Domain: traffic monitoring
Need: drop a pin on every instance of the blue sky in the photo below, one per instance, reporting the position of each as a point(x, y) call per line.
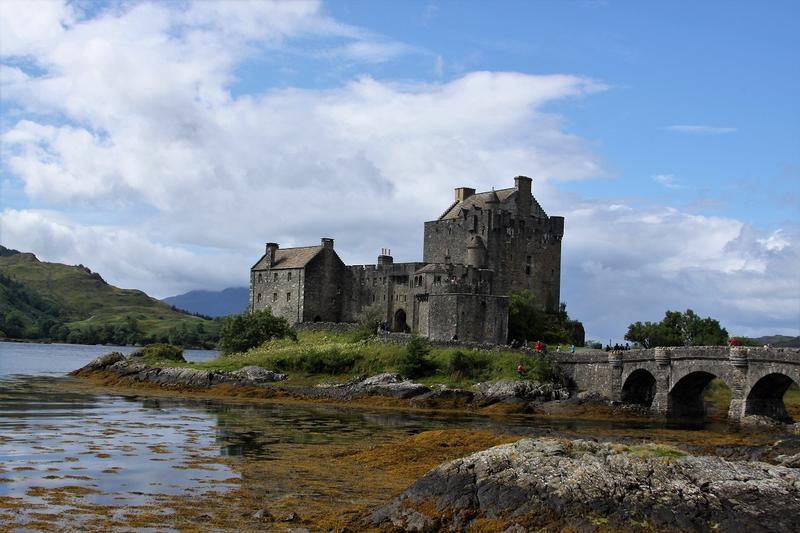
point(162, 143)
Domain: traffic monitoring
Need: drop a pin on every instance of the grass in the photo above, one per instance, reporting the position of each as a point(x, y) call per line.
point(328, 356)
point(87, 300)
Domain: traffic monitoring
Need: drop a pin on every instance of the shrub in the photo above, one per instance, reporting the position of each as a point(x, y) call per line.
point(248, 330)
point(462, 365)
point(414, 363)
point(328, 361)
point(153, 353)
point(368, 321)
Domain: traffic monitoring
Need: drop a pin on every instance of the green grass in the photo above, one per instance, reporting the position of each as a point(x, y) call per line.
point(84, 300)
point(327, 356)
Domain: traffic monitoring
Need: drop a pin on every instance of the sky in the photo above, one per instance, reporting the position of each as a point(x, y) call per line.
point(163, 143)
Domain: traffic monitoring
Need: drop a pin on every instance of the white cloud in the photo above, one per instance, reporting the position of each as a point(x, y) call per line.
point(133, 115)
point(123, 256)
point(669, 181)
point(620, 266)
point(699, 129)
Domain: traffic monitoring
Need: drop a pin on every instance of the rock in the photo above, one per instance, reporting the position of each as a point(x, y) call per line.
point(444, 397)
point(554, 484)
point(291, 517)
point(263, 514)
point(257, 374)
point(790, 461)
point(388, 384)
point(101, 363)
point(759, 421)
point(507, 390)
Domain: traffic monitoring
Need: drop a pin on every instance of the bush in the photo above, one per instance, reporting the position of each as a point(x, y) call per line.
point(462, 365)
point(368, 321)
point(239, 333)
point(414, 363)
point(153, 353)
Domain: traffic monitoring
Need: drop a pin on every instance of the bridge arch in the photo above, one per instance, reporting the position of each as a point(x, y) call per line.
point(639, 388)
point(765, 397)
point(685, 398)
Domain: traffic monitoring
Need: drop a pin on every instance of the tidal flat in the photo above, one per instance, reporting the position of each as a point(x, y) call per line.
point(81, 459)
point(76, 455)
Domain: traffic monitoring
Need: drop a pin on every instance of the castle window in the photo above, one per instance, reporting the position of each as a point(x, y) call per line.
point(528, 266)
point(289, 276)
point(288, 296)
point(474, 222)
point(374, 281)
point(258, 297)
point(259, 277)
point(274, 296)
point(275, 277)
point(373, 298)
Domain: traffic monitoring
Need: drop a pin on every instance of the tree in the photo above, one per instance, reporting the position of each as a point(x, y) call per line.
point(527, 322)
point(678, 329)
point(414, 363)
point(239, 333)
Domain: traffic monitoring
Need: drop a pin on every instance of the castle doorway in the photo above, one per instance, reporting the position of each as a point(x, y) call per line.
point(400, 322)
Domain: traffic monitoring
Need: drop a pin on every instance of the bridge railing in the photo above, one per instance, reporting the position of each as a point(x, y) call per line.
point(737, 355)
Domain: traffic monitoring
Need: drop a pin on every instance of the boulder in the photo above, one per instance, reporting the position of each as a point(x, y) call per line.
point(507, 390)
point(257, 374)
point(553, 484)
point(101, 363)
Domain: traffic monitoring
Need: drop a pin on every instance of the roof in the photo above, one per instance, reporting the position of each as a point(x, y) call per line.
point(478, 200)
point(432, 268)
point(287, 258)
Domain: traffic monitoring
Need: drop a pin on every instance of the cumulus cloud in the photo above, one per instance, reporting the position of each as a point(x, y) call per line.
point(669, 181)
point(160, 177)
point(624, 264)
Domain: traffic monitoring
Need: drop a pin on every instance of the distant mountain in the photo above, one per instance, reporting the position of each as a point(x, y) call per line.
point(779, 341)
point(226, 302)
point(40, 300)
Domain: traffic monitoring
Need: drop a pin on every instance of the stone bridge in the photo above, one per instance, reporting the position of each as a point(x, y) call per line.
point(671, 380)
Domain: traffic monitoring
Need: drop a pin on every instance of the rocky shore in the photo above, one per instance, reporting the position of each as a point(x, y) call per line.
point(132, 370)
point(586, 486)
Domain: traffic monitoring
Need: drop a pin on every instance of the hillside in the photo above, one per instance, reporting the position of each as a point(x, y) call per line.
point(40, 300)
point(226, 302)
point(780, 341)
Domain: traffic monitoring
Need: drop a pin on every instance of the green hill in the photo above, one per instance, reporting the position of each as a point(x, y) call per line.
point(40, 300)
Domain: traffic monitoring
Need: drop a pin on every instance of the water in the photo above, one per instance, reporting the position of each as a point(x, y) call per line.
point(72, 457)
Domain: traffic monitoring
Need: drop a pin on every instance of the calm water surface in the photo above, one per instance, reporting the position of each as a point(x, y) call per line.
point(123, 451)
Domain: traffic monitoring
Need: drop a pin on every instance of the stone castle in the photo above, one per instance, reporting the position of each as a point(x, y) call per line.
point(482, 247)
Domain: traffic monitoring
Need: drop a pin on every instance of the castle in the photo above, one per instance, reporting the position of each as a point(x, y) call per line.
point(482, 247)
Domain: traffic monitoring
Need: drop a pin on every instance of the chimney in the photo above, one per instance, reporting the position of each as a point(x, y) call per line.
point(523, 186)
point(327, 243)
point(462, 193)
point(272, 247)
point(386, 257)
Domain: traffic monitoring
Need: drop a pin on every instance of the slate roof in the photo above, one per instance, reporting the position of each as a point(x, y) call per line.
point(432, 268)
point(477, 200)
point(287, 258)
point(481, 200)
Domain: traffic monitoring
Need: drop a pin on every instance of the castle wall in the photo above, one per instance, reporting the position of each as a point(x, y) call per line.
point(467, 317)
point(524, 252)
point(281, 290)
point(323, 296)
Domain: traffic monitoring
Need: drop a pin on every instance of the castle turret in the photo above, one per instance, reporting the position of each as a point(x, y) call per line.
point(272, 247)
point(476, 252)
point(523, 186)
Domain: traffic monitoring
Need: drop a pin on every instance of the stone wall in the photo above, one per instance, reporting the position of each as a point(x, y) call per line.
point(324, 280)
point(281, 290)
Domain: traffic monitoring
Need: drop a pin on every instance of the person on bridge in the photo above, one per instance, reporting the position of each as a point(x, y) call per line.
point(538, 346)
point(733, 342)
